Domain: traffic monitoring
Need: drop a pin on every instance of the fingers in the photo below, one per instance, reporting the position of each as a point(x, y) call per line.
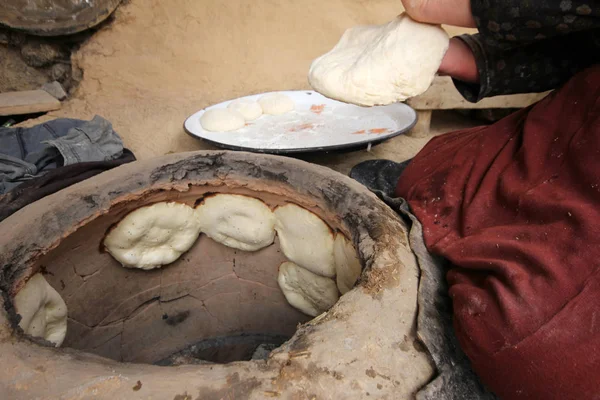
point(448, 12)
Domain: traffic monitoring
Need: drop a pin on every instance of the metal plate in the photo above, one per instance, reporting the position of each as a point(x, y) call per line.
point(317, 124)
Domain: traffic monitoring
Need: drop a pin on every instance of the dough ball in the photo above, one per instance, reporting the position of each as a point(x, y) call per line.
point(249, 109)
point(305, 239)
point(310, 293)
point(222, 120)
point(276, 103)
point(43, 312)
point(347, 263)
point(379, 65)
point(237, 221)
point(152, 236)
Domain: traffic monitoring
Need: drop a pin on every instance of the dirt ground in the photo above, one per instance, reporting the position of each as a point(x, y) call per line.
point(159, 62)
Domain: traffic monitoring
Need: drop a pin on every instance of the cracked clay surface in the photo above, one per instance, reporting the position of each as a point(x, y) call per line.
point(133, 315)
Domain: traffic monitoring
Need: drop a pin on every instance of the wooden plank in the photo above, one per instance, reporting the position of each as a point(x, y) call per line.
point(27, 102)
point(442, 95)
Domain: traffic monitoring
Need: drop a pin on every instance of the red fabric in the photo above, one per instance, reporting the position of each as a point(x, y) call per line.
point(515, 207)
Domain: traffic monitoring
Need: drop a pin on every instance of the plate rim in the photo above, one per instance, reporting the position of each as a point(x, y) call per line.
point(344, 146)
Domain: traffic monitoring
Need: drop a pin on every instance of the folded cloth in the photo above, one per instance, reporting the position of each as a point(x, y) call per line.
point(55, 180)
point(515, 208)
point(26, 153)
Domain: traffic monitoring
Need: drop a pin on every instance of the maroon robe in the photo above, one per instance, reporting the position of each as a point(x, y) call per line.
point(515, 207)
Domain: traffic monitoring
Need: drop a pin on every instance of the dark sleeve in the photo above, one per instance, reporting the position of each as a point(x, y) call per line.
point(530, 46)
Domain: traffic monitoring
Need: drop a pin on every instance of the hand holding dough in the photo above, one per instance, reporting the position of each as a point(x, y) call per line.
point(237, 221)
point(379, 65)
point(43, 312)
point(152, 236)
point(305, 239)
point(310, 293)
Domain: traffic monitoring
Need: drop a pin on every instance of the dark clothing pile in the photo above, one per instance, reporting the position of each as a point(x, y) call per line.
point(530, 46)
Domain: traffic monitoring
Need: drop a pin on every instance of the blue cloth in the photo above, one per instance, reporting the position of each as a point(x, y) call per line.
point(26, 153)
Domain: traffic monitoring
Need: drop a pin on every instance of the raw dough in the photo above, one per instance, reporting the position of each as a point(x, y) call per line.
point(43, 312)
point(305, 239)
point(152, 236)
point(379, 65)
point(222, 120)
point(237, 221)
point(347, 264)
point(310, 293)
point(249, 109)
point(276, 103)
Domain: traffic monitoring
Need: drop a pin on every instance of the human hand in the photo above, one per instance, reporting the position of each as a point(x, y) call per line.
point(459, 62)
point(379, 65)
point(438, 12)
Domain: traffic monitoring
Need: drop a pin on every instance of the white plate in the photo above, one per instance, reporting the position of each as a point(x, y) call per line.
point(317, 124)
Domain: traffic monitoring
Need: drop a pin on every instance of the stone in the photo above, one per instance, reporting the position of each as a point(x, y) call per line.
point(55, 89)
point(16, 74)
point(60, 71)
point(40, 54)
